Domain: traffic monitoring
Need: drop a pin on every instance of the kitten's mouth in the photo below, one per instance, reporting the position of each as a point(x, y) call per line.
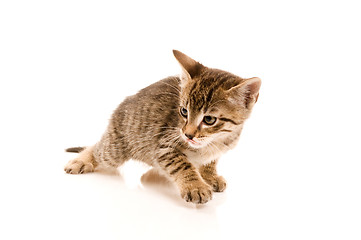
point(193, 142)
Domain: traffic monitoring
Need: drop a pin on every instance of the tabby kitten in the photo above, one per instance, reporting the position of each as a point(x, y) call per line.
point(179, 125)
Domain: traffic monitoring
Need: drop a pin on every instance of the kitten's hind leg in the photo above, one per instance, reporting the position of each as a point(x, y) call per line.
point(84, 163)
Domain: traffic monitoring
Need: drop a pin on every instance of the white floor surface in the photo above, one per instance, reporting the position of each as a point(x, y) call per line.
point(295, 174)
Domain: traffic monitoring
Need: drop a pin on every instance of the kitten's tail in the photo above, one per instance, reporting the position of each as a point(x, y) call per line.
point(75, 149)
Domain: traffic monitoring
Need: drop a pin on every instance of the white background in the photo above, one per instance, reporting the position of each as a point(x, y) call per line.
point(65, 65)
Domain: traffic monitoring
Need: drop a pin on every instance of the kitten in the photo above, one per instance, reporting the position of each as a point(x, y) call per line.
point(179, 125)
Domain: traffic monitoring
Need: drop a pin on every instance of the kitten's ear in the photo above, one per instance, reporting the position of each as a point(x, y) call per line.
point(190, 67)
point(246, 92)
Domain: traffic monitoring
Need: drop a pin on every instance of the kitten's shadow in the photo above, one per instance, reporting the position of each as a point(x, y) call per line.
point(109, 172)
point(155, 183)
point(151, 181)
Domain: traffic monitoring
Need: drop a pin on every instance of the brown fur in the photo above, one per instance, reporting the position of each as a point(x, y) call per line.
point(149, 127)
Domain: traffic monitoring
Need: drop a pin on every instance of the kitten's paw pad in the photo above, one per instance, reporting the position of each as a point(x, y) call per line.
point(218, 184)
point(78, 167)
point(201, 193)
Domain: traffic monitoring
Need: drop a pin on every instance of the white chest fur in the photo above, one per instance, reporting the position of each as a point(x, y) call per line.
point(204, 156)
point(212, 152)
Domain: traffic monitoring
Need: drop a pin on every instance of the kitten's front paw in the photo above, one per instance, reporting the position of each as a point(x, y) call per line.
point(197, 193)
point(218, 183)
point(78, 167)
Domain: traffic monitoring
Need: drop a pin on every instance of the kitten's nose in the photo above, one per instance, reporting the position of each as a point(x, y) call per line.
point(190, 136)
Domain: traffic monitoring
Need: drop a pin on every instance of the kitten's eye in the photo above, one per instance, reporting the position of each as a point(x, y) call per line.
point(183, 112)
point(209, 120)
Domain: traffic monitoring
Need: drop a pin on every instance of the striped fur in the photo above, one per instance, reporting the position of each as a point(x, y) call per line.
point(149, 127)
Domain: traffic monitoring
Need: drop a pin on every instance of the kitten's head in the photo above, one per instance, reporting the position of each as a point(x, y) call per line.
point(213, 103)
